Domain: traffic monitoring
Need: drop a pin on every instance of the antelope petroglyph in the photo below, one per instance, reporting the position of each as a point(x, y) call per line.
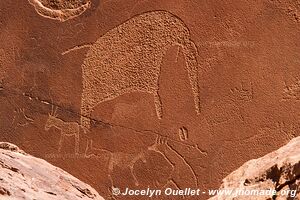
point(66, 129)
point(128, 58)
point(117, 159)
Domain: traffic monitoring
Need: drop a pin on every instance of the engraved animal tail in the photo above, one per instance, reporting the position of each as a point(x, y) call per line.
point(190, 53)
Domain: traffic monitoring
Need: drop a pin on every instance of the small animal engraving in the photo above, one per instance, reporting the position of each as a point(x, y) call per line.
point(117, 159)
point(65, 128)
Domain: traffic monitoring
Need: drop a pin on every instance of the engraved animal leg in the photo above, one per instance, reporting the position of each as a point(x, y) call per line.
point(161, 147)
point(85, 130)
point(87, 153)
point(190, 52)
point(111, 196)
point(110, 170)
point(143, 158)
point(172, 181)
point(136, 182)
point(157, 99)
point(62, 135)
point(77, 142)
point(158, 105)
point(184, 161)
point(140, 156)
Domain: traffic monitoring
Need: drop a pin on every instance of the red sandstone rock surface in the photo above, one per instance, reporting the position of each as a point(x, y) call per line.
point(277, 171)
point(23, 176)
point(149, 93)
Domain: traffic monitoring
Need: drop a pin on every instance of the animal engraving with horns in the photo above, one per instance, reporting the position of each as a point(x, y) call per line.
point(66, 129)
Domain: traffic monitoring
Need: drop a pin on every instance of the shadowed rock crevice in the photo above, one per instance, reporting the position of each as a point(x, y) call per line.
point(85, 191)
point(3, 165)
point(276, 171)
point(288, 183)
point(4, 191)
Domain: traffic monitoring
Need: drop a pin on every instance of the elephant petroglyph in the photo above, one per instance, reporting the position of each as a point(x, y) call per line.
point(128, 58)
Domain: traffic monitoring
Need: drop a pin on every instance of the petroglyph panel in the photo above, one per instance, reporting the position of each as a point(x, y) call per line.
point(130, 75)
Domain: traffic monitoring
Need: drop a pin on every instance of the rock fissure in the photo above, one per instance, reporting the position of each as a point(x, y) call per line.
point(195, 146)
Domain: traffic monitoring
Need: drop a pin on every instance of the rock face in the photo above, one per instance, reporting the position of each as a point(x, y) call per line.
point(149, 93)
point(26, 177)
point(278, 171)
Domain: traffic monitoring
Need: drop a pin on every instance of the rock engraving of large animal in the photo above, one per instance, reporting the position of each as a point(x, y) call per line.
point(128, 58)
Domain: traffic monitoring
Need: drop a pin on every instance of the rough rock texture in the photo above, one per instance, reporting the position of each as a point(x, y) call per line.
point(149, 93)
point(279, 171)
point(23, 176)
